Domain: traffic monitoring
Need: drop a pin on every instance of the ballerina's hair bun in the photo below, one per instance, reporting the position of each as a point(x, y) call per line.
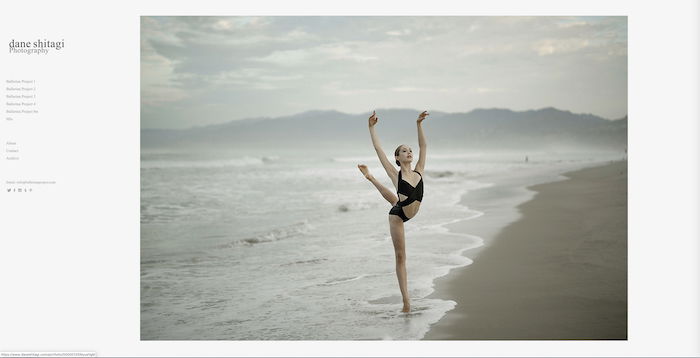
point(396, 154)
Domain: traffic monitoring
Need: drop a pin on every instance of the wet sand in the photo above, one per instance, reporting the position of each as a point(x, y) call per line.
point(559, 272)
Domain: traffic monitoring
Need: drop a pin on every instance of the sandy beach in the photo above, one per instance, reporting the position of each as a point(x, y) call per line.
point(559, 272)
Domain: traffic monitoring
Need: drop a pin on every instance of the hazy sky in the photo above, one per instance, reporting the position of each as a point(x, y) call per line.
point(205, 70)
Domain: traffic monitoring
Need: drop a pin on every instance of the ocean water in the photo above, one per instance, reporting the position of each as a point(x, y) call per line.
point(239, 247)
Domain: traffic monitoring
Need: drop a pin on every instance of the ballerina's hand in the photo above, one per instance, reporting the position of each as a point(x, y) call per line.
point(422, 116)
point(373, 119)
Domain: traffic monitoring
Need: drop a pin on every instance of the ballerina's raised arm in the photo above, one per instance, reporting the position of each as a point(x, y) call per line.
point(422, 146)
point(388, 166)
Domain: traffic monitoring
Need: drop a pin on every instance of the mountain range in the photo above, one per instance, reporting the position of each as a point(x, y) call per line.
point(547, 128)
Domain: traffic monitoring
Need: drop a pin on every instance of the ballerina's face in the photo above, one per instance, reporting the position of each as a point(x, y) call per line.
point(404, 154)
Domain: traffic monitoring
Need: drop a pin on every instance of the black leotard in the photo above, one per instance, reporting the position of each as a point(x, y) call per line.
point(412, 194)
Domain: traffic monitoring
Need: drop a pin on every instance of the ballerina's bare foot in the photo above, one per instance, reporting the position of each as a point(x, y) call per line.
point(365, 171)
point(406, 308)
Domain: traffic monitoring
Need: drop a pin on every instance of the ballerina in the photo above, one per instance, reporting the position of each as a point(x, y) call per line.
point(409, 193)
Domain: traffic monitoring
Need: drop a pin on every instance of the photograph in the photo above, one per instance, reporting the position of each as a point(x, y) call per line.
point(315, 178)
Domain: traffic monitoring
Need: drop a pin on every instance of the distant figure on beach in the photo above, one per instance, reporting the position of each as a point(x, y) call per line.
point(409, 193)
point(526, 159)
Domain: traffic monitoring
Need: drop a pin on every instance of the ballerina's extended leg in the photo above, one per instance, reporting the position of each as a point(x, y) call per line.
point(386, 193)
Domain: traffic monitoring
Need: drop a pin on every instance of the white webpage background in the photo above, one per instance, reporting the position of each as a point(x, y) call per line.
point(69, 273)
